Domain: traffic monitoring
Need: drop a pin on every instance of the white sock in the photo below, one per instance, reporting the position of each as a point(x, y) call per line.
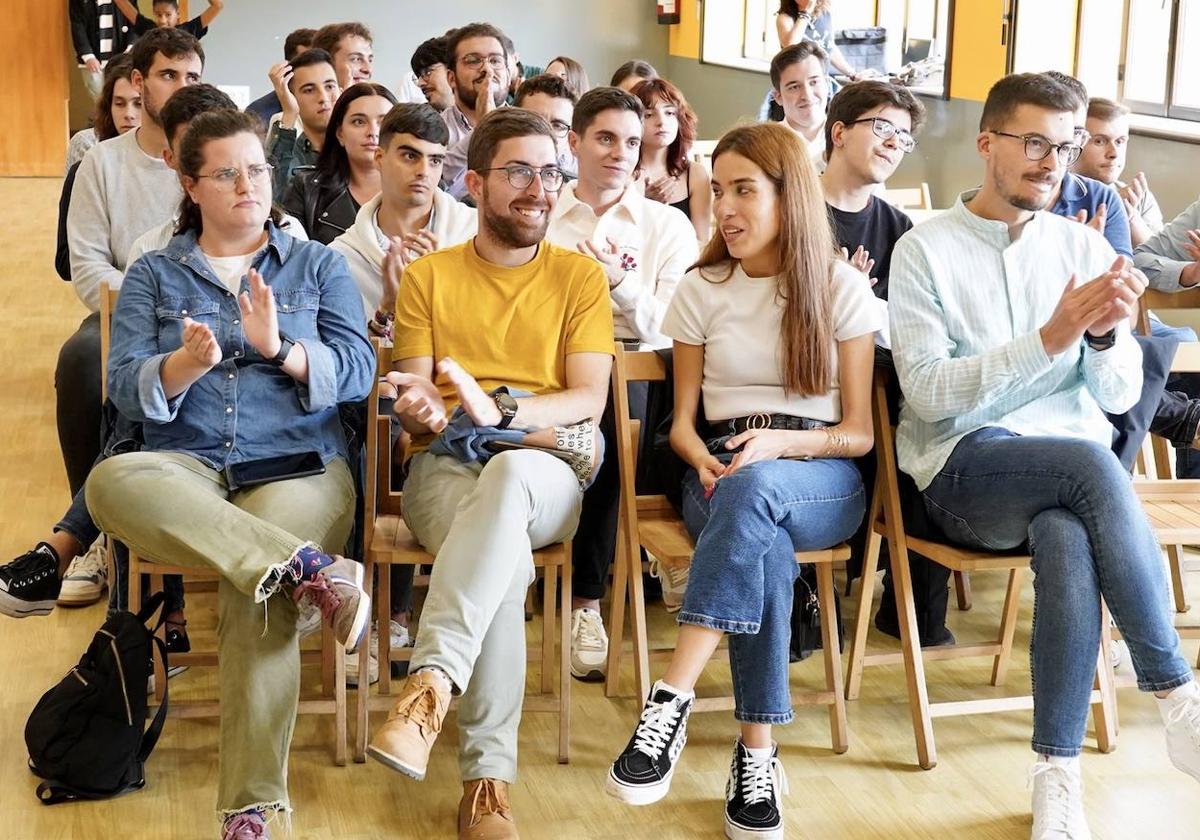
point(759, 753)
point(678, 692)
point(1070, 762)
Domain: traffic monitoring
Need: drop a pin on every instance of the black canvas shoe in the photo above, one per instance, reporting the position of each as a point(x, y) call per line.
point(642, 773)
point(753, 796)
point(29, 585)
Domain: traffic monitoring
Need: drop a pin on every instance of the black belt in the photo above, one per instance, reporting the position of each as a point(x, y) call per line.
point(785, 422)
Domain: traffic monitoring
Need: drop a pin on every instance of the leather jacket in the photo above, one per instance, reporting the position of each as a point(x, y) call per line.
point(322, 204)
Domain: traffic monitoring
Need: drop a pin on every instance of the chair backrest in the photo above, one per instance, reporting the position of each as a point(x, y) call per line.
point(378, 496)
point(701, 153)
point(641, 366)
point(108, 304)
point(916, 198)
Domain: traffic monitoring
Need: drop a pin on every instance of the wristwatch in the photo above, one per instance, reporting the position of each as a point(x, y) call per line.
point(285, 347)
point(508, 408)
point(1101, 342)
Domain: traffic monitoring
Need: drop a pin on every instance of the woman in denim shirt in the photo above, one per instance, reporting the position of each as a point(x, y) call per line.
point(775, 333)
point(236, 343)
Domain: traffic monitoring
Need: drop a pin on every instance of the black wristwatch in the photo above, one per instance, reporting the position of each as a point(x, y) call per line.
point(285, 347)
point(508, 408)
point(1101, 342)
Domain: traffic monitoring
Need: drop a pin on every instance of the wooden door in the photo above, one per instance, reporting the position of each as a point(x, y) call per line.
point(35, 58)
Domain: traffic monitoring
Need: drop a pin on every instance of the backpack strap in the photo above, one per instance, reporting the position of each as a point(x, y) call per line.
point(150, 737)
point(151, 607)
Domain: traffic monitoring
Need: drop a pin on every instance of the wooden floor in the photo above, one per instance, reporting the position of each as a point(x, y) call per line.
point(873, 791)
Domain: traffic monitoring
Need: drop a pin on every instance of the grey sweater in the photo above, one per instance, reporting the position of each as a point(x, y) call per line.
point(120, 193)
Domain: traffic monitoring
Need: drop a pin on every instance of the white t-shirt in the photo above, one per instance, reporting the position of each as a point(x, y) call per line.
point(738, 322)
point(231, 270)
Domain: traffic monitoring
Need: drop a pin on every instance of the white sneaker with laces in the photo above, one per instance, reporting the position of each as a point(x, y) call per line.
point(87, 577)
point(398, 635)
point(309, 619)
point(1058, 802)
point(1181, 713)
point(674, 582)
point(589, 645)
point(352, 659)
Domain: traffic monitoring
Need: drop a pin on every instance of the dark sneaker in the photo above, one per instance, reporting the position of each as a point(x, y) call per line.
point(29, 585)
point(337, 591)
point(642, 773)
point(753, 796)
point(248, 825)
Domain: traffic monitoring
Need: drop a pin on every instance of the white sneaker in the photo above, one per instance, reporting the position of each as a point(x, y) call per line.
point(398, 635)
point(372, 664)
point(1181, 712)
point(674, 582)
point(309, 620)
point(1118, 653)
point(86, 577)
point(1058, 802)
point(589, 645)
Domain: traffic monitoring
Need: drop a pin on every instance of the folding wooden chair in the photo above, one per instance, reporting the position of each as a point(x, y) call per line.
point(390, 543)
point(888, 521)
point(331, 657)
point(651, 522)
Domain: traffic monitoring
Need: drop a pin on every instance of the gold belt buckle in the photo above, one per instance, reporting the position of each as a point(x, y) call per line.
point(758, 421)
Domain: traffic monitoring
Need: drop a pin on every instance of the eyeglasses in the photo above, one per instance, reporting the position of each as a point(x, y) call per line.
point(424, 75)
point(522, 176)
point(559, 128)
point(497, 61)
point(885, 130)
point(1037, 147)
point(226, 179)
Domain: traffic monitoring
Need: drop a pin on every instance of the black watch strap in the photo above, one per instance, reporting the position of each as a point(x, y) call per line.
point(1101, 342)
point(285, 347)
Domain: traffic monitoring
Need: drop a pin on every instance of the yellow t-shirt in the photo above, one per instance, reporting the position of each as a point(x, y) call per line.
point(505, 326)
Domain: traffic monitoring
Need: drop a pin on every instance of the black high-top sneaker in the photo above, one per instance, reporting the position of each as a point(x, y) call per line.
point(753, 796)
point(642, 773)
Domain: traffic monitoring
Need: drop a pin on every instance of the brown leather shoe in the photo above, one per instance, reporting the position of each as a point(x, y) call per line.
point(404, 742)
point(484, 812)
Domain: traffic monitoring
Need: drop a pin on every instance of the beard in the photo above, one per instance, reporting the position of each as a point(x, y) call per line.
point(514, 232)
point(1030, 203)
point(467, 97)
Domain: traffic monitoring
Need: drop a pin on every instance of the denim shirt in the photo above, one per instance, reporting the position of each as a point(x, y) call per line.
point(244, 408)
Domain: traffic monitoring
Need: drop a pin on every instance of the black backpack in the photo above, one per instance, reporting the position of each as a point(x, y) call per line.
point(85, 736)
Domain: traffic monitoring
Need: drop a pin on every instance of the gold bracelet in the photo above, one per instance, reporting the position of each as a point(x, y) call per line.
point(837, 444)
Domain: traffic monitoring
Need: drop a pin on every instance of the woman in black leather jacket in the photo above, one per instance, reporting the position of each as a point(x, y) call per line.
point(326, 197)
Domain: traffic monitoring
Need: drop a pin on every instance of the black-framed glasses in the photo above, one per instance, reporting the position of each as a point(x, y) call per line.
point(520, 176)
point(885, 130)
point(1037, 147)
point(424, 75)
point(225, 179)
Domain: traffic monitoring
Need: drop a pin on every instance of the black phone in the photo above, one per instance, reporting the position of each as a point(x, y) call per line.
point(266, 470)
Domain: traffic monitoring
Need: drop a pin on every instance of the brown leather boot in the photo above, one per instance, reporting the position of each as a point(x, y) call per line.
point(484, 812)
point(405, 740)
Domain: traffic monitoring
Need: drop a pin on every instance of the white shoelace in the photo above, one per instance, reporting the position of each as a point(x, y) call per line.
point(91, 563)
point(675, 576)
point(588, 630)
point(654, 729)
point(761, 778)
point(1056, 796)
point(1187, 712)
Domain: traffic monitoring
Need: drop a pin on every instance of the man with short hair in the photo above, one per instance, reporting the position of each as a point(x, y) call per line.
point(645, 248)
point(428, 64)
point(478, 72)
point(1011, 340)
point(552, 99)
point(1103, 159)
point(268, 105)
point(307, 88)
point(801, 87)
point(351, 48)
point(410, 217)
point(506, 310)
point(166, 16)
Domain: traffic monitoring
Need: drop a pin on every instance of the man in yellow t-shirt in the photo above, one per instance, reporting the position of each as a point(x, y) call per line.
point(503, 309)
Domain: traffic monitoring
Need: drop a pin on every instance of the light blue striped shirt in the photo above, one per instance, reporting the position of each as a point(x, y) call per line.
point(965, 305)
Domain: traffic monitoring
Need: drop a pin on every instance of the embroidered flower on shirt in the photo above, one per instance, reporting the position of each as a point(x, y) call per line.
point(628, 262)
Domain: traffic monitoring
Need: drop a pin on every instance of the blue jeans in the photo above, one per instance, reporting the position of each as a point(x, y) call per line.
point(744, 564)
point(1088, 536)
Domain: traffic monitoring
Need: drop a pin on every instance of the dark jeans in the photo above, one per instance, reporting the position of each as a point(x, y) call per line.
point(77, 382)
point(596, 538)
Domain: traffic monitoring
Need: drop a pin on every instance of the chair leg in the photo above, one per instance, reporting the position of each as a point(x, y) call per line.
point(1104, 713)
point(160, 673)
point(914, 664)
point(1008, 625)
point(962, 589)
point(862, 618)
point(1178, 589)
point(832, 650)
point(637, 623)
point(340, 723)
point(548, 605)
point(362, 695)
point(383, 598)
point(564, 660)
point(616, 620)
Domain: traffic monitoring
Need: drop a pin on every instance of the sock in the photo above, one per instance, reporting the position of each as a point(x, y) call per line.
point(438, 672)
point(1070, 762)
point(680, 693)
point(759, 753)
point(307, 561)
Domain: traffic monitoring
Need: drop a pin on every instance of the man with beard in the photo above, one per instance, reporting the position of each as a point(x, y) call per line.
point(1010, 333)
point(478, 72)
point(307, 87)
point(123, 188)
point(503, 311)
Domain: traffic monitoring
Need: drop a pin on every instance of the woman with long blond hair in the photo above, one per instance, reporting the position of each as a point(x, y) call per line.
point(775, 333)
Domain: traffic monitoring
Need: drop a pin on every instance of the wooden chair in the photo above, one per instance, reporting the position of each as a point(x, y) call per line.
point(701, 153)
point(331, 656)
point(390, 543)
point(651, 522)
point(888, 522)
point(906, 198)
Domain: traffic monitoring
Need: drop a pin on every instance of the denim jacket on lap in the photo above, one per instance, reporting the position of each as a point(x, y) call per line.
point(244, 408)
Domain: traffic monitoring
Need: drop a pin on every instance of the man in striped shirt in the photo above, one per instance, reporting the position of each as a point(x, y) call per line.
point(1010, 334)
